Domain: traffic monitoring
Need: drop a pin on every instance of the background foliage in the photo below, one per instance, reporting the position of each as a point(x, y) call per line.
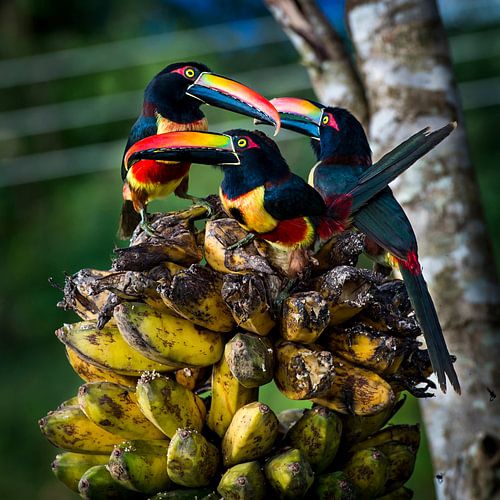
point(72, 76)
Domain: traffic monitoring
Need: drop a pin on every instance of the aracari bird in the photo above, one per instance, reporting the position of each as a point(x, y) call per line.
point(344, 160)
point(259, 190)
point(172, 102)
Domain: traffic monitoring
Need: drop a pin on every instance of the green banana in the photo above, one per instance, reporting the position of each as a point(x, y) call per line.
point(305, 317)
point(97, 484)
point(169, 405)
point(250, 359)
point(289, 474)
point(69, 402)
point(399, 494)
point(303, 372)
point(333, 486)
point(186, 494)
point(141, 466)
point(288, 418)
point(244, 481)
point(106, 348)
point(367, 470)
point(69, 428)
point(191, 460)
point(114, 408)
point(401, 464)
point(250, 435)
point(165, 338)
point(69, 467)
point(317, 435)
point(228, 395)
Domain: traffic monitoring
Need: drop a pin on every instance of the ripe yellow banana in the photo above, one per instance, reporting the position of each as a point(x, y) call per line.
point(242, 481)
point(114, 408)
point(69, 467)
point(289, 474)
point(195, 294)
point(222, 233)
point(356, 391)
point(169, 405)
point(408, 435)
point(192, 378)
point(364, 346)
point(317, 435)
point(251, 434)
point(303, 372)
point(191, 460)
point(367, 470)
point(141, 466)
point(228, 395)
point(305, 317)
point(250, 359)
point(97, 483)
point(106, 349)
point(94, 373)
point(347, 290)
point(69, 428)
point(249, 298)
point(166, 339)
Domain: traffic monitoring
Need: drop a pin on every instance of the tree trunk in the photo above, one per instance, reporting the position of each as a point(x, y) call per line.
point(403, 59)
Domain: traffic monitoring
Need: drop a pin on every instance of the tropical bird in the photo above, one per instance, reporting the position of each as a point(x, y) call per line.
point(261, 193)
point(172, 102)
point(344, 158)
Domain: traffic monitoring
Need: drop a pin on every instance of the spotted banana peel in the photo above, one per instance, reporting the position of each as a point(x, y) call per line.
point(175, 340)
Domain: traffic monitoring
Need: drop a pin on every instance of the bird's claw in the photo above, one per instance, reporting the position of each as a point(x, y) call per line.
point(241, 243)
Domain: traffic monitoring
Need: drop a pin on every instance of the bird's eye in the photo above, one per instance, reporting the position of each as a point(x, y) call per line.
point(242, 143)
point(189, 72)
point(325, 119)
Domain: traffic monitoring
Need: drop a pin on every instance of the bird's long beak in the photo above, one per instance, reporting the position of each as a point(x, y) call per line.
point(234, 96)
point(194, 147)
point(300, 115)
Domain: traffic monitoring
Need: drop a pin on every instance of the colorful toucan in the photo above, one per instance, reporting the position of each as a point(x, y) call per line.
point(260, 191)
point(344, 159)
point(172, 102)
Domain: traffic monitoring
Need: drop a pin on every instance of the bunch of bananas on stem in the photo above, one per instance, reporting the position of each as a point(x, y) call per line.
point(176, 339)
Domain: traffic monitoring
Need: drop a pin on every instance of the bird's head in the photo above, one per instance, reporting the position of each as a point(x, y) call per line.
point(333, 130)
point(238, 152)
point(178, 91)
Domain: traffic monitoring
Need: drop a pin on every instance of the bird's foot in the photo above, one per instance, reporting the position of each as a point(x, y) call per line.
point(241, 243)
point(146, 226)
point(284, 294)
point(202, 202)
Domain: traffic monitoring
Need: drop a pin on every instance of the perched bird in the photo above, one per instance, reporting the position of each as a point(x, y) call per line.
point(259, 190)
point(344, 160)
point(172, 102)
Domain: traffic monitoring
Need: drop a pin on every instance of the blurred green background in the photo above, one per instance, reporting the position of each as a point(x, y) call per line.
point(72, 75)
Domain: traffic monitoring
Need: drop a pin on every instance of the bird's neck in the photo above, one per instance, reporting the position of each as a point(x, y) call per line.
point(240, 180)
point(184, 111)
point(349, 150)
point(164, 125)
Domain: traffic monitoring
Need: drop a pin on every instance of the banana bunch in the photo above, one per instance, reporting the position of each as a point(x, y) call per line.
point(176, 339)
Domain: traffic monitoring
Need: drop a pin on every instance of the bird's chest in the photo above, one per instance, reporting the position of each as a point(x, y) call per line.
point(248, 209)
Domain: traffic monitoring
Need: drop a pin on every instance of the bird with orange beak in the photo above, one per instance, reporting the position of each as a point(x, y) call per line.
point(344, 160)
point(172, 102)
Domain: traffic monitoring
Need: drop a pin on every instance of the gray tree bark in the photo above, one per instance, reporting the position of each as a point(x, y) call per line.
point(403, 59)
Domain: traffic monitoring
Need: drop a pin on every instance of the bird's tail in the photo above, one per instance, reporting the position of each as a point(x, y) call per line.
point(394, 163)
point(129, 219)
point(429, 322)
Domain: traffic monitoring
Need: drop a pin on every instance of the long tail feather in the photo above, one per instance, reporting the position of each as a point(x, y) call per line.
point(129, 219)
point(394, 163)
point(429, 322)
